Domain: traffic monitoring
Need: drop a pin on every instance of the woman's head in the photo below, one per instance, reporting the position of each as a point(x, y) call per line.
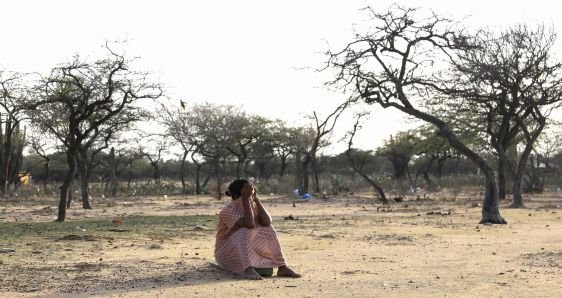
point(235, 188)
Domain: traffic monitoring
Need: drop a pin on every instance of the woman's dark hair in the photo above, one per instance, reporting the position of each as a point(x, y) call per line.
point(235, 188)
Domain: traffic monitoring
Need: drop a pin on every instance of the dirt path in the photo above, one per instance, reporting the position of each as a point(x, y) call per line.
point(342, 246)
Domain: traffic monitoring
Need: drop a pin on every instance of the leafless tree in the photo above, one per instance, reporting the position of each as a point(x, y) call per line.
point(209, 129)
point(78, 99)
point(393, 66)
point(539, 162)
point(302, 139)
point(511, 80)
point(281, 144)
point(151, 147)
point(13, 95)
point(323, 129)
point(245, 130)
point(42, 146)
point(358, 167)
point(205, 131)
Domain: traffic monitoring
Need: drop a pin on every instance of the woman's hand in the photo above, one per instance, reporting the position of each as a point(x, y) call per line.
point(263, 218)
point(255, 194)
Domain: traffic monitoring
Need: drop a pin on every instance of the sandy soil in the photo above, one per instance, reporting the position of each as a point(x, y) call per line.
point(344, 246)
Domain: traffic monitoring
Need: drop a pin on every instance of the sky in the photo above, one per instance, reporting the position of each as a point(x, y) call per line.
point(260, 55)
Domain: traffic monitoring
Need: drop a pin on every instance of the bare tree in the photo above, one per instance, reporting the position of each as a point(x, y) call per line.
point(129, 156)
point(178, 124)
point(510, 80)
point(281, 144)
point(79, 98)
point(393, 67)
point(42, 146)
point(13, 95)
point(302, 139)
point(210, 129)
point(434, 149)
point(323, 128)
point(188, 129)
point(357, 166)
point(245, 130)
point(399, 151)
point(151, 148)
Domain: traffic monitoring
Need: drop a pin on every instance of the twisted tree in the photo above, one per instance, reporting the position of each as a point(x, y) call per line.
point(394, 66)
point(78, 100)
point(358, 166)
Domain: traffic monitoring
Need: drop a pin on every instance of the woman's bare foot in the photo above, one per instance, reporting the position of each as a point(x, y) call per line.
point(285, 271)
point(250, 273)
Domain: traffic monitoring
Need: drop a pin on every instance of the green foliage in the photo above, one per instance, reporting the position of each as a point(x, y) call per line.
point(399, 150)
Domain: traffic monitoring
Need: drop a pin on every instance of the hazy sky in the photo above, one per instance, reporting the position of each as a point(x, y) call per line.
point(257, 54)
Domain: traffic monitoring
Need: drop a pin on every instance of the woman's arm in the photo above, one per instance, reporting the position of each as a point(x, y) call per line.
point(263, 217)
point(247, 221)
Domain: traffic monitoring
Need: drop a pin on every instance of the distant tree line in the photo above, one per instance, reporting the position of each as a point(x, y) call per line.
point(485, 97)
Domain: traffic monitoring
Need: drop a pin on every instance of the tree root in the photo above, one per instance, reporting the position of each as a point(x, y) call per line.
point(493, 219)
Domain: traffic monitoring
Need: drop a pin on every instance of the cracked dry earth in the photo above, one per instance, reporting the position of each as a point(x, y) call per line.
point(343, 246)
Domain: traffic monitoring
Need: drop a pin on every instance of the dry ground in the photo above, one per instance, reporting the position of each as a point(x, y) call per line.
point(343, 246)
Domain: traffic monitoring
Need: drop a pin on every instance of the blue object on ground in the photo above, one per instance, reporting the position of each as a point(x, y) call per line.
point(306, 196)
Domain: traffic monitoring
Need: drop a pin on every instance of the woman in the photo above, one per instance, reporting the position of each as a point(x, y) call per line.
point(245, 238)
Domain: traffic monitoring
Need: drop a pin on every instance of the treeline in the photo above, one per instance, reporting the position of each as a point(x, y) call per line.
point(334, 172)
point(407, 161)
point(485, 97)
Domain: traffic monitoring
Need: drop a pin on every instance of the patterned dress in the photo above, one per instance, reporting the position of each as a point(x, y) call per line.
point(236, 251)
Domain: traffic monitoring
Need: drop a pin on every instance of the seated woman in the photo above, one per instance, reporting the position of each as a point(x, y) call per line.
point(245, 238)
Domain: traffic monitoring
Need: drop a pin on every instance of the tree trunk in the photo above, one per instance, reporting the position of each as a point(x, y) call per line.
point(518, 177)
point(6, 158)
point(305, 163)
point(490, 206)
point(517, 191)
point(359, 171)
point(410, 181)
point(426, 170)
point(283, 166)
point(501, 178)
point(129, 178)
point(82, 162)
point(65, 185)
point(298, 171)
point(376, 186)
point(207, 179)
point(440, 164)
point(427, 180)
point(315, 174)
point(70, 195)
point(46, 178)
point(219, 179)
point(156, 173)
point(512, 158)
point(182, 172)
point(197, 182)
point(84, 190)
point(112, 174)
point(198, 167)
